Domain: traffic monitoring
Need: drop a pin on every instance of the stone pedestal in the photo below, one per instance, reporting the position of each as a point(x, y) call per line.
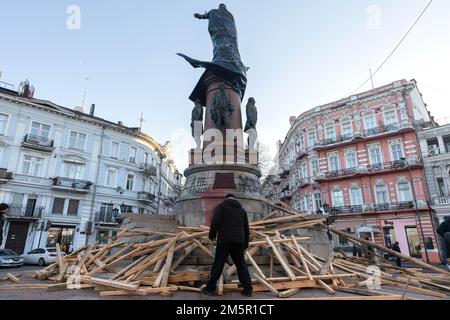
point(207, 185)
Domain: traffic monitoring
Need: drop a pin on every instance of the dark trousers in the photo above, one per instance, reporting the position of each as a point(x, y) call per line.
point(398, 261)
point(237, 252)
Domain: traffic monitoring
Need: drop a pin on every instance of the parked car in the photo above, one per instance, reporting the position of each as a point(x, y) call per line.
point(41, 256)
point(9, 258)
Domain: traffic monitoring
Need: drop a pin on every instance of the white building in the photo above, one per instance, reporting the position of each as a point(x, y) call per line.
point(63, 171)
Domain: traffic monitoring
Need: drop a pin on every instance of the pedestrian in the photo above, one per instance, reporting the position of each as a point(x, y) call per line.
point(70, 247)
point(4, 209)
point(230, 226)
point(396, 248)
point(370, 253)
point(444, 231)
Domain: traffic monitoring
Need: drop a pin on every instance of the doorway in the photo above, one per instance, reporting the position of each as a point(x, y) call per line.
point(412, 236)
point(17, 236)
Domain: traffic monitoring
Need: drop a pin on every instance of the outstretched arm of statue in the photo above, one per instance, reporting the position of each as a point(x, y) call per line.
point(202, 16)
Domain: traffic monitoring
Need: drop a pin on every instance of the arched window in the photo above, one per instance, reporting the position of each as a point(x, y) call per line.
point(381, 194)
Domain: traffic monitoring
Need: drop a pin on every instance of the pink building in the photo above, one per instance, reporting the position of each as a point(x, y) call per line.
point(361, 156)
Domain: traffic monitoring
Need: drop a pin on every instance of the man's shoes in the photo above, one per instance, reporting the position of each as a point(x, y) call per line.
point(247, 293)
point(208, 292)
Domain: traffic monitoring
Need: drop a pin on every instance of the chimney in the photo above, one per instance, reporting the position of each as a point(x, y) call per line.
point(92, 110)
point(120, 123)
point(26, 90)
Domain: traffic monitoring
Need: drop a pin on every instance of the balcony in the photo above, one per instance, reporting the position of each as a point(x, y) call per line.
point(370, 169)
point(286, 195)
point(379, 207)
point(146, 197)
point(148, 169)
point(74, 185)
point(303, 182)
point(405, 125)
point(439, 201)
point(5, 175)
point(284, 171)
point(38, 143)
point(24, 212)
point(105, 218)
point(301, 154)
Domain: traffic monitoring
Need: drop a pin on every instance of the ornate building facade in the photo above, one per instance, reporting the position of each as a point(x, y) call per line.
point(63, 171)
point(360, 156)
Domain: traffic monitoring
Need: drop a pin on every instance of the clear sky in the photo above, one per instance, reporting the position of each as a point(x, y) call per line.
point(302, 53)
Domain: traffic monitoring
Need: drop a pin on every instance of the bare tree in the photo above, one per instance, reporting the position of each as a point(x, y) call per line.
point(264, 159)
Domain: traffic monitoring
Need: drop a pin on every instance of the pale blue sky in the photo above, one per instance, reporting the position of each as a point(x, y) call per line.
point(302, 53)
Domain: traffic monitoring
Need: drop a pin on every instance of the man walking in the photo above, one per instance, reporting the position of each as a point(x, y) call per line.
point(444, 231)
point(396, 248)
point(230, 225)
point(4, 209)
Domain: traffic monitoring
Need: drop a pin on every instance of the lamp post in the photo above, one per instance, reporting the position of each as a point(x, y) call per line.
point(417, 208)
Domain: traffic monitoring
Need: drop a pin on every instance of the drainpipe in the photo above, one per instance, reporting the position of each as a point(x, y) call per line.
point(94, 194)
point(159, 184)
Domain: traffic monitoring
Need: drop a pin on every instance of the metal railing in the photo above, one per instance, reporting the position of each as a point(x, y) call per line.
point(440, 200)
point(24, 211)
point(5, 174)
point(146, 196)
point(74, 184)
point(378, 207)
point(38, 141)
point(105, 217)
point(148, 169)
point(387, 128)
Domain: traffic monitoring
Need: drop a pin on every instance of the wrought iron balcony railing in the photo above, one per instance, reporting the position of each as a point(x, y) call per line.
point(148, 169)
point(146, 196)
point(23, 211)
point(379, 207)
point(72, 184)
point(5, 174)
point(106, 217)
point(38, 142)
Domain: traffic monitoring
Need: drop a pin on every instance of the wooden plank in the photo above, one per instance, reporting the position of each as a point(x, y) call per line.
point(288, 293)
point(378, 298)
point(12, 277)
point(255, 265)
point(280, 259)
point(167, 266)
point(415, 289)
point(266, 284)
point(220, 286)
point(302, 258)
point(280, 219)
point(326, 287)
point(286, 285)
point(185, 288)
point(391, 252)
point(109, 283)
point(262, 242)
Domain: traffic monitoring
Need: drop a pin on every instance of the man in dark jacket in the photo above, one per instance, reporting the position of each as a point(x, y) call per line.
point(396, 248)
point(444, 231)
point(4, 208)
point(230, 226)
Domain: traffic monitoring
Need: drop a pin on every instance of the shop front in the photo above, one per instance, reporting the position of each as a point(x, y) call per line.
point(62, 234)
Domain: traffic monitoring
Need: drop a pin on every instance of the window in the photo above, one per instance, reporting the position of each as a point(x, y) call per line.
point(58, 206)
point(3, 122)
point(390, 117)
point(356, 197)
point(146, 158)
point(404, 192)
point(338, 199)
point(370, 122)
point(375, 155)
point(77, 141)
point(314, 163)
point(73, 207)
point(73, 170)
point(333, 162)
point(312, 139)
point(114, 150)
point(32, 165)
point(396, 151)
point(381, 194)
point(111, 176)
point(304, 171)
point(441, 187)
point(347, 130)
point(133, 152)
point(40, 130)
point(330, 134)
point(446, 143)
point(317, 201)
point(130, 182)
point(305, 203)
point(350, 159)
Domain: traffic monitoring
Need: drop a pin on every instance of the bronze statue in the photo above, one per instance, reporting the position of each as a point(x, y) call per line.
point(197, 122)
point(250, 125)
point(221, 108)
point(226, 63)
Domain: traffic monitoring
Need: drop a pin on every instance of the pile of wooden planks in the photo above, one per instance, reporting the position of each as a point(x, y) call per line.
point(123, 267)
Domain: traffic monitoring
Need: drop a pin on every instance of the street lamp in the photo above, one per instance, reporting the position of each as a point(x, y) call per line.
point(116, 215)
point(417, 208)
